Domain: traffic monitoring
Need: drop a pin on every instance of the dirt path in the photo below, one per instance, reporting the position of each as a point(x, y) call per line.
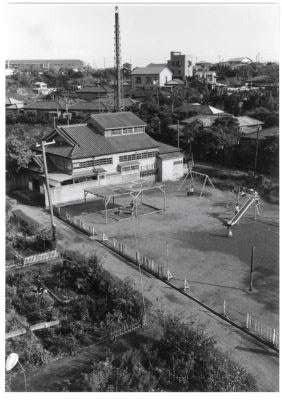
point(256, 358)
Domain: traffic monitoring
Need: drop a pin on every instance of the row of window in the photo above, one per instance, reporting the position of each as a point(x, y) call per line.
point(129, 168)
point(93, 163)
point(177, 162)
point(125, 131)
point(80, 179)
point(137, 156)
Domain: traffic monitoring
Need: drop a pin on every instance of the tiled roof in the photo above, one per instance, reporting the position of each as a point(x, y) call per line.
point(140, 141)
point(88, 106)
point(92, 89)
point(168, 156)
point(202, 109)
point(117, 120)
point(43, 105)
point(206, 120)
point(91, 144)
point(166, 148)
point(150, 69)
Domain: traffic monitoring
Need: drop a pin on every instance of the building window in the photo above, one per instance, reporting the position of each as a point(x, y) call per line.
point(92, 163)
point(138, 79)
point(127, 130)
point(137, 156)
point(177, 162)
point(116, 131)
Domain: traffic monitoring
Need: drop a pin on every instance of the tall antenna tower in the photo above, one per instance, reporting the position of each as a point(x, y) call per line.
point(118, 61)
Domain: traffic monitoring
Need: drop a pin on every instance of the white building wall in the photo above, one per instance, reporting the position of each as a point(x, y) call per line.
point(165, 76)
point(170, 169)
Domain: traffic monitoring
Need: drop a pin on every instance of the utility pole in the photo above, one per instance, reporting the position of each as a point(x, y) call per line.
point(252, 267)
point(256, 155)
point(48, 188)
point(178, 134)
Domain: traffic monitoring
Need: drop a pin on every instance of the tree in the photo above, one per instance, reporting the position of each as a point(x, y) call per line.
point(18, 150)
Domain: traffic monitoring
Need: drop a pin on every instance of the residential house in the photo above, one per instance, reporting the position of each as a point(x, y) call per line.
point(109, 149)
point(150, 76)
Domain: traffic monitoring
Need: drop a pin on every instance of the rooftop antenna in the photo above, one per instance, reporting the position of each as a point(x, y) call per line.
point(117, 62)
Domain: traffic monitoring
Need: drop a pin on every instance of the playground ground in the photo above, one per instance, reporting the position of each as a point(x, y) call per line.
point(191, 240)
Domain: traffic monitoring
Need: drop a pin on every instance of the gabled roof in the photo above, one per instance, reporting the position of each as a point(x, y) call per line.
point(150, 69)
point(125, 119)
point(43, 105)
point(174, 82)
point(202, 109)
point(244, 120)
point(87, 143)
point(92, 89)
point(166, 148)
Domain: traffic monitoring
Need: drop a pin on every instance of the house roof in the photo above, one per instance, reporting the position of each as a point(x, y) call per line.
point(206, 120)
point(150, 69)
point(175, 82)
point(87, 143)
point(92, 89)
point(88, 106)
point(239, 59)
point(44, 61)
point(171, 155)
point(166, 148)
point(248, 121)
point(116, 120)
point(43, 105)
point(199, 108)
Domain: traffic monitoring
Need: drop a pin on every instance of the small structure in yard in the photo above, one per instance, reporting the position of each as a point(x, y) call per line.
point(189, 183)
point(134, 193)
point(252, 200)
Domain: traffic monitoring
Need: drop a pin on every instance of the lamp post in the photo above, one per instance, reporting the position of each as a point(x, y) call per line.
point(11, 361)
point(43, 144)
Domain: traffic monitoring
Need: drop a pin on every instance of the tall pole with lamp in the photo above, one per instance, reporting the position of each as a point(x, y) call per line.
point(43, 144)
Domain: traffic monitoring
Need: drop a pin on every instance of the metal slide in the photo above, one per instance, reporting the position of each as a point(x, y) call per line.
point(242, 211)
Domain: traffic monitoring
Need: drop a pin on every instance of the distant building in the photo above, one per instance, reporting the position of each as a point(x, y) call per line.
point(204, 74)
point(94, 92)
point(235, 63)
point(41, 65)
point(41, 88)
point(150, 76)
point(180, 65)
point(111, 148)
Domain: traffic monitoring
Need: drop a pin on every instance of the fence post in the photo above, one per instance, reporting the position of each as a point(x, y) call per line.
point(247, 322)
point(273, 336)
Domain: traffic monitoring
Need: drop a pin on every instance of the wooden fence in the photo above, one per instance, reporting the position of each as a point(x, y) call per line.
point(36, 327)
point(77, 222)
point(144, 262)
point(35, 259)
point(252, 324)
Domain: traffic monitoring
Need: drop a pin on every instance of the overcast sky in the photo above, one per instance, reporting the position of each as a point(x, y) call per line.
point(148, 33)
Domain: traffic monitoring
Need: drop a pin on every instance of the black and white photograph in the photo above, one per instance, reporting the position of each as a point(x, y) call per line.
point(141, 209)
